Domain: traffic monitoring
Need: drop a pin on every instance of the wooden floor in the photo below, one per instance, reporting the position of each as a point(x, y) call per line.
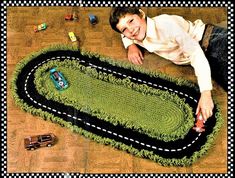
point(75, 153)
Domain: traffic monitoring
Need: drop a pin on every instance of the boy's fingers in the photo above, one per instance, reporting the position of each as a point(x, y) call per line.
point(131, 59)
point(136, 60)
point(141, 56)
point(139, 60)
point(206, 114)
point(211, 113)
point(197, 110)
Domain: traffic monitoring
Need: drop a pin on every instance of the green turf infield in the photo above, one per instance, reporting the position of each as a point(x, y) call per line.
point(154, 112)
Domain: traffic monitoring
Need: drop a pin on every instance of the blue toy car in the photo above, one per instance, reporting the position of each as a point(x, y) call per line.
point(58, 79)
point(93, 19)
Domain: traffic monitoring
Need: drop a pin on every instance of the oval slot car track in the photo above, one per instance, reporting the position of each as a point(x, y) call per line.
point(181, 149)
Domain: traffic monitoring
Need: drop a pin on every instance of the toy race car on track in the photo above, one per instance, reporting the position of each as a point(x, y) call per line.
point(58, 79)
point(199, 125)
point(36, 141)
point(40, 27)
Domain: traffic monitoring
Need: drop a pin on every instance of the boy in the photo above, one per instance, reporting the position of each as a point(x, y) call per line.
point(177, 40)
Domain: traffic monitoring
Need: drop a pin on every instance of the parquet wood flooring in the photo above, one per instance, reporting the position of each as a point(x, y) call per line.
point(75, 153)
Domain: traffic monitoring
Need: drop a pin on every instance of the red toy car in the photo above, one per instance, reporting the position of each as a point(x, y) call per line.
point(36, 141)
point(68, 17)
point(73, 16)
point(199, 125)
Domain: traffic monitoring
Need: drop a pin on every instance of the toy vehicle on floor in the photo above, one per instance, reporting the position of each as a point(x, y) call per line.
point(73, 16)
point(40, 27)
point(72, 37)
point(93, 19)
point(68, 17)
point(199, 125)
point(36, 141)
point(58, 79)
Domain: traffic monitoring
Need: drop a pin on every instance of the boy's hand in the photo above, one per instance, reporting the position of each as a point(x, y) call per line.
point(205, 105)
point(134, 54)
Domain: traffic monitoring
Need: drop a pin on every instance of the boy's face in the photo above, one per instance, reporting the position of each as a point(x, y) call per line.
point(132, 26)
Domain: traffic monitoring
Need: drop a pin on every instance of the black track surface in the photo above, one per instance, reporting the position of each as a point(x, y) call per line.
point(142, 138)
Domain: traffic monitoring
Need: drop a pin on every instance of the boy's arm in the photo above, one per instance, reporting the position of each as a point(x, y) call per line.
point(202, 70)
point(198, 60)
point(134, 54)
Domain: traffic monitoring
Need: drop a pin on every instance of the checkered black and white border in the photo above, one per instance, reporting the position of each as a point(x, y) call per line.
point(128, 3)
point(98, 3)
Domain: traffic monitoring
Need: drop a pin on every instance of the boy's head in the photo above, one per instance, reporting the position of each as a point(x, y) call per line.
point(128, 21)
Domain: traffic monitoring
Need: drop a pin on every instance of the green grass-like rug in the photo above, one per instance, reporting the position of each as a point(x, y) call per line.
point(145, 113)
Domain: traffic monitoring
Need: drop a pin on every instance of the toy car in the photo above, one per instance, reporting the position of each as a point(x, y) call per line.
point(40, 27)
point(73, 16)
point(72, 37)
point(199, 125)
point(36, 141)
point(68, 17)
point(93, 19)
point(58, 79)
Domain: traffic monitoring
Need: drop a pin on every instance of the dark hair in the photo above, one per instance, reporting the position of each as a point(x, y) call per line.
point(118, 12)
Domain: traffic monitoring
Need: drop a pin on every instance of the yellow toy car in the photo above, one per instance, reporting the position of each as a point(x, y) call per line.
point(72, 37)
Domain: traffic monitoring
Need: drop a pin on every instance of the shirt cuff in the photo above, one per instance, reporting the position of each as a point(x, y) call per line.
point(126, 41)
point(205, 84)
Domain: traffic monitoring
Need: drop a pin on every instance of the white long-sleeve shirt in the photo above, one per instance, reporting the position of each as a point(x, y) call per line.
point(176, 39)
